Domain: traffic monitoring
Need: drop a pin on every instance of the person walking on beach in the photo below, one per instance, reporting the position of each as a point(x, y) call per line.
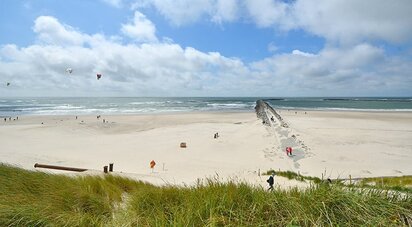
point(288, 151)
point(271, 181)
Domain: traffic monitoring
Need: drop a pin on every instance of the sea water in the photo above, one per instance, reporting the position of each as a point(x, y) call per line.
point(140, 105)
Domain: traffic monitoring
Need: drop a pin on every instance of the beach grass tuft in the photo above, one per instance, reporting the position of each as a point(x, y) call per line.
point(29, 198)
point(401, 183)
point(294, 176)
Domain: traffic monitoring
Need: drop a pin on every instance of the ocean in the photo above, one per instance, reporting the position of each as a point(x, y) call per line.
point(140, 105)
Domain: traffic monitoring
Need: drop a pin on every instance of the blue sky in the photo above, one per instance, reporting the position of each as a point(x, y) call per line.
point(206, 48)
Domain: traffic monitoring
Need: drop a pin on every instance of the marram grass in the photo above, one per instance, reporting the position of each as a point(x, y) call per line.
point(38, 199)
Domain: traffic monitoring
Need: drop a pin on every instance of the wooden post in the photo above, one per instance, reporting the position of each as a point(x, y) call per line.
point(350, 179)
point(322, 176)
point(105, 169)
point(259, 172)
point(382, 181)
point(111, 167)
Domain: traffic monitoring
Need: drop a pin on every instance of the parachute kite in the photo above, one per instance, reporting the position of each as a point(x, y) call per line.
point(98, 76)
point(69, 70)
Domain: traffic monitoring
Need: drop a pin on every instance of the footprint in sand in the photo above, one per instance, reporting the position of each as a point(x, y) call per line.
point(366, 171)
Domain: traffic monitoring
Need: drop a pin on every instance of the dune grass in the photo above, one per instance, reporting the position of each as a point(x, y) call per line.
point(402, 183)
point(294, 176)
point(38, 199)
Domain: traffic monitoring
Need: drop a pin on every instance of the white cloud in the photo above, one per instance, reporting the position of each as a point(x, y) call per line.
point(142, 29)
point(359, 70)
point(114, 3)
point(272, 47)
point(128, 69)
point(266, 13)
point(179, 12)
point(183, 12)
point(301, 53)
point(51, 31)
point(225, 11)
point(349, 21)
point(168, 69)
point(341, 21)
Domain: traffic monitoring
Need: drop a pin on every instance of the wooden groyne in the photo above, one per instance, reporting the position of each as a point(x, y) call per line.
point(262, 109)
point(261, 113)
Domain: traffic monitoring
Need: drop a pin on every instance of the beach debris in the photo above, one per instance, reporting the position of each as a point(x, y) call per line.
point(105, 169)
point(37, 165)
point(183, 145)
point(98, 76)
point(8, 84)
point(69, 70)
point(111, 167)
point(152, 164)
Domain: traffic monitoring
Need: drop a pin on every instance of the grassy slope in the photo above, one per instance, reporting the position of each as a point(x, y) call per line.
point(403, 183)
point(39, 199)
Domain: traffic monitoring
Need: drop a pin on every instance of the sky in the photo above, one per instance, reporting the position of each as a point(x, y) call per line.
point(271, 48)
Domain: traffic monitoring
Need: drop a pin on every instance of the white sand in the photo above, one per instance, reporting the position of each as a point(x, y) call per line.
point(361, 144)
point(339, 144)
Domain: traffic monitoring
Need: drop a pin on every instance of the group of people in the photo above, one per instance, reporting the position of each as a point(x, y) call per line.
point(271, 180)
point(288, 151)
point(5, 119)
point(216, 135)
point(104, 120)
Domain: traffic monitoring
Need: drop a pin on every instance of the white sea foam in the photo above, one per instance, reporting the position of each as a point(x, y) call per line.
point(69, 106)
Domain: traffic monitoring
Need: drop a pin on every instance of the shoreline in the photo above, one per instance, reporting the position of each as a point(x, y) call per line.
point(325, 110)
point(332, 110)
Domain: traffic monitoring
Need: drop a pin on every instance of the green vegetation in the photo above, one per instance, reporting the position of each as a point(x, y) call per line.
point(39, 199)
point(403, 183)
point(293, 176)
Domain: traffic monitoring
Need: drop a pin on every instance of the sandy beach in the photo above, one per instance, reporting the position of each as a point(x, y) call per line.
point(337, 144)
